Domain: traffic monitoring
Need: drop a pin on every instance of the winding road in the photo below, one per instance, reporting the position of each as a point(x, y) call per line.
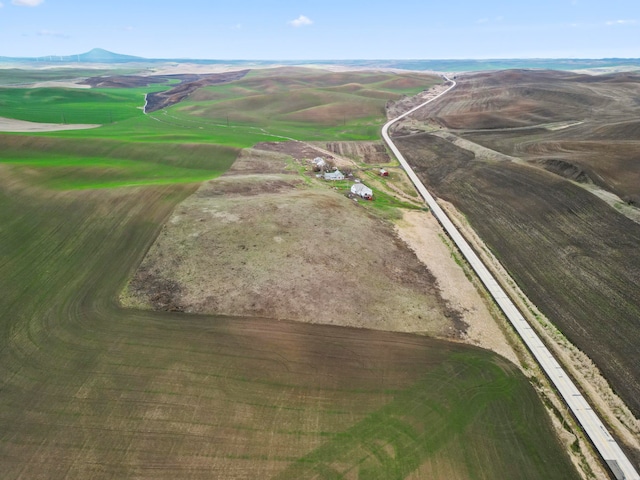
point(604, 443)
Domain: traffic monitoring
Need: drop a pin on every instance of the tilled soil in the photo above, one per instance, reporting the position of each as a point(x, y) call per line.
point(574, 256)
point(160, 100)
point(123, 81)
point(295, 149)
point(367, 152)
point(583, 127)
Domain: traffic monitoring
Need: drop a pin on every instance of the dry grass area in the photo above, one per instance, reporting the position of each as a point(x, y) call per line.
point(310, 254)
point(277, 246)
point(425, 236)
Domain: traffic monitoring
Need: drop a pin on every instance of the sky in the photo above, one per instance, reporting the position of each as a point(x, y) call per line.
point(323, 29)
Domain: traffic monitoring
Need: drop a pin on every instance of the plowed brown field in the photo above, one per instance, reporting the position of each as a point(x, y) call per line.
point(587, 122)
point(574, 256)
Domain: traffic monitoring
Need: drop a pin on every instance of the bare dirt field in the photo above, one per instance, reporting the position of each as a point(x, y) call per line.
point(573, 255)
point(60, 84)
point(300, 151)
point(15, 126)
point(367, 152)
point(580, 126)
point(425, 236)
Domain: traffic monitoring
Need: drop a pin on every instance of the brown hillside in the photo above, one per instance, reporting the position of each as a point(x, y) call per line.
point(164, 99)
point(574, 256)
point(590, 123)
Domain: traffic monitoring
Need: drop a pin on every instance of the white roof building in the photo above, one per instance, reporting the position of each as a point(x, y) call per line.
point(319, 162)
point(362, 190)
point(335, 175)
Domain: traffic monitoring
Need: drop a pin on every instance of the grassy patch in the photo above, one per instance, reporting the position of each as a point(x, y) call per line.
point(270, 105)
point(302, 104)
point(383, 204)
point(71, 173)
point(396, 440)
point(21, 76)
point(70, 164)
point(388, 206)
point(72, 105)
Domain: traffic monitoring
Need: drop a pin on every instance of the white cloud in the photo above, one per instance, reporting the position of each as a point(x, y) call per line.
point(27, 3)
point(51, 33)
point(301, 21)
point(1, 4)
point(622, 22)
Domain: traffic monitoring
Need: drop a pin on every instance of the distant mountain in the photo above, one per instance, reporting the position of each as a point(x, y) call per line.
point(98, 55)
point(101, 56)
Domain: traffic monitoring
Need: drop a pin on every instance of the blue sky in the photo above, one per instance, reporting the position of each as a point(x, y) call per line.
point(327, 29)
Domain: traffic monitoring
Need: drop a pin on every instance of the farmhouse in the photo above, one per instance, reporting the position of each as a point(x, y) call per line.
point(362, 190)
point(335, 175)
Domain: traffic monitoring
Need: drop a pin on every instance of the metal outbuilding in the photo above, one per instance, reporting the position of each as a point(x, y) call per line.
point(362, 190)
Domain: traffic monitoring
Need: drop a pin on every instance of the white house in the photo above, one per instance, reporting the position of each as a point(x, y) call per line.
point(362, 190)
point(335, 175)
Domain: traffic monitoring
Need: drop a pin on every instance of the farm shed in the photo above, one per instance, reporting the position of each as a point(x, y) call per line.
point(335, 175)
point(362, 190)
point(318, 164)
